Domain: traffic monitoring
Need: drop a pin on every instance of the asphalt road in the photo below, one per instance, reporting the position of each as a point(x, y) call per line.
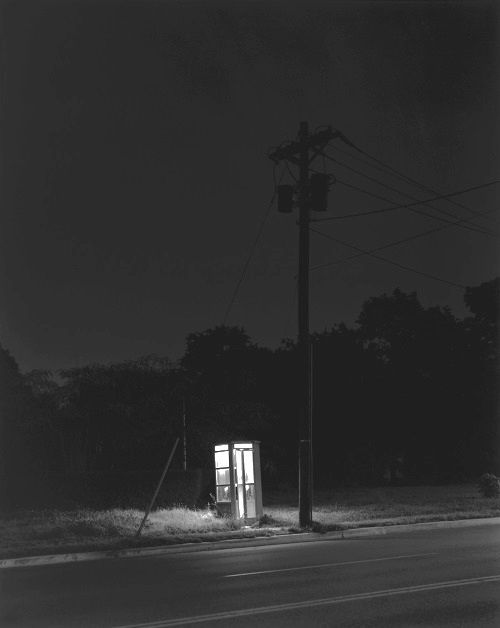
point(444, 577)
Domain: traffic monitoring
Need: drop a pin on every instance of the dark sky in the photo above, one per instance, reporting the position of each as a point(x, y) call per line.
point(135, 175)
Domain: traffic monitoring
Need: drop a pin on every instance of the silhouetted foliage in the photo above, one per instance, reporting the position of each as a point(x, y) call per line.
point(483, 376)
point(345, 393)
point(19, 431)
point(226, 397)
point(489, 485)
point(118, 416)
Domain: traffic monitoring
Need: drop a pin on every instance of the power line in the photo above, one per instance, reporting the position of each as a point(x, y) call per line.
point(406, 205)
point(472, 226)
point(254, 244)
point(383, 259)
point(367, 163)
point(416, 211)
point(380, 248)
point(398, 174)
point(412, 205)
point(366, 176)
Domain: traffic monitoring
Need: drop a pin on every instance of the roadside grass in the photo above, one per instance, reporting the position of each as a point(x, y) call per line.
point(33, 533)
point(339, 509)
point(30, 533)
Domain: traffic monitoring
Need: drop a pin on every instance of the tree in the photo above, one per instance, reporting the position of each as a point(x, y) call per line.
point(484, 303)
point(18, 430)
point(117, 417)
point(343, 393)
point(421, 405)
point(226, 390)
point(389, 324)
point(482, 333)
point(218, 359)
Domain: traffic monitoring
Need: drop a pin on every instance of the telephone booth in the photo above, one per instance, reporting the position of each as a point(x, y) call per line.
point(238, 486)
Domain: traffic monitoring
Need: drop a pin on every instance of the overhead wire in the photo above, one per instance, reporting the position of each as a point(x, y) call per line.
point(366, 162)
point(470, 225)
point(411, 206)
point(252, 250)
point(405, 179)
point(379, 248)
point(404, 206)
point(383, 259)
point(397, 173)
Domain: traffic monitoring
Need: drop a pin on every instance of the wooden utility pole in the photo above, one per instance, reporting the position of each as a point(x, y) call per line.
point(298, 153)
point(305, 445)
point(184, 450)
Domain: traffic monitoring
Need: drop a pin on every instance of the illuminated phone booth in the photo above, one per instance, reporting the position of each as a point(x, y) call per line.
point(238, 486)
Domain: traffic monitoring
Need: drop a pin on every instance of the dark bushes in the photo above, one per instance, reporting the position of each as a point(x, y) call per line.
point(489, 485)
point(109, 490)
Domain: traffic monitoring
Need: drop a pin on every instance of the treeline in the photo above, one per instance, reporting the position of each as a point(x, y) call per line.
point(410, 394)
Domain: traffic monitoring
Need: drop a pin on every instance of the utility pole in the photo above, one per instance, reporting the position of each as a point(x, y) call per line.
point(308, 194)
point(184, 452)
point(305, 444)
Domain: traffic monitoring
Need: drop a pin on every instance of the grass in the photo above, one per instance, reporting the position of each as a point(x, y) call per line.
point(363, 507)
point(30, 533)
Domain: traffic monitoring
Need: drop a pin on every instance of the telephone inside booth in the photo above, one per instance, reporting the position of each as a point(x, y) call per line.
point(237, 480)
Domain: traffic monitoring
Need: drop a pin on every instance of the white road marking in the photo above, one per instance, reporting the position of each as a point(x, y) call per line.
point(351, 562)
point(277, 608)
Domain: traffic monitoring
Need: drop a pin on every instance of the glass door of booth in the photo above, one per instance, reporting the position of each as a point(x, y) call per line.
point(245, 481)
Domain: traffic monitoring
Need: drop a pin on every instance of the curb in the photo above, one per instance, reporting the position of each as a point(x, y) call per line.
point(183, 548)
point(302, 537)
point(415, 527)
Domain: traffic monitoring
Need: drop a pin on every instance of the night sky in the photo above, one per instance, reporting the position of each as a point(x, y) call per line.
point(135, 174)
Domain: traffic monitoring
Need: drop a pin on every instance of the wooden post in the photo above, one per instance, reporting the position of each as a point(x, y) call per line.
point(157, 488)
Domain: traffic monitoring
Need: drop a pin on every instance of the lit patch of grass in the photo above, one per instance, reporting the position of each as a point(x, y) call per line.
point(185, 520)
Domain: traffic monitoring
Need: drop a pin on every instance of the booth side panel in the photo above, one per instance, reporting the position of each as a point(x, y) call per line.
point(259, 511)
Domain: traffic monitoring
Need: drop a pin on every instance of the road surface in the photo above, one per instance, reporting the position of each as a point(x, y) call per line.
point(443, 577)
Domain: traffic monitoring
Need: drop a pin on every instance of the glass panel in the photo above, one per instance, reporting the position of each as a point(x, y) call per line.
point(241, 503)
point(248, 459)
point(243, 446)
point(223, 476)
point(250, 493)
point(221, 459)
point(223, 494)
point(221, 447)
point(251, 506)
point(238, 463)
point(251, 510)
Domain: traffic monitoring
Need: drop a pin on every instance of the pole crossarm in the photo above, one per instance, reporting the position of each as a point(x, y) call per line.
point(317, 142)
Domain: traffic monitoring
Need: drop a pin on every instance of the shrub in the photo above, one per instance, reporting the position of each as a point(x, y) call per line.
point(489, 485)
